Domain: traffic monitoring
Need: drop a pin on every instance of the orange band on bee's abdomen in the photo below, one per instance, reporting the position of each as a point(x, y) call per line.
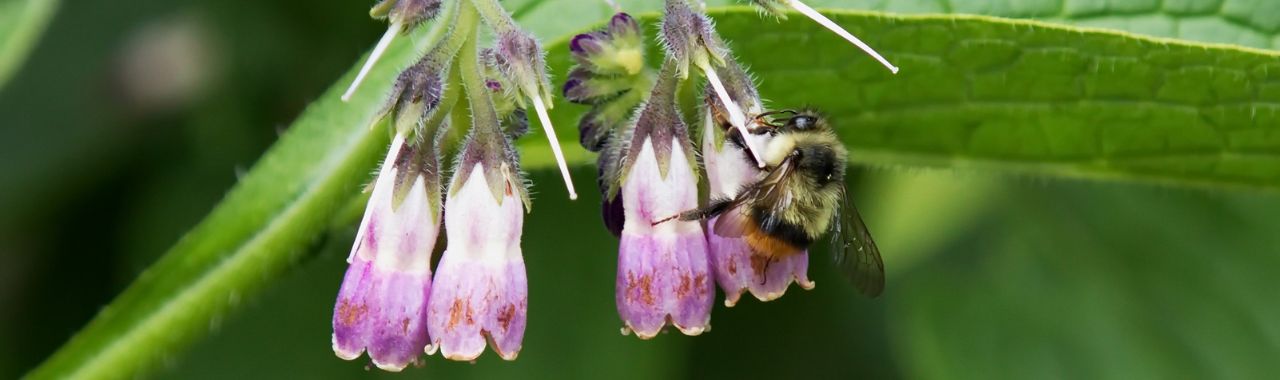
point(766, 245)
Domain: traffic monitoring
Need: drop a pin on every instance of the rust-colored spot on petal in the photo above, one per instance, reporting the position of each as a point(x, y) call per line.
point(349, 314)
point(632, 287)
point(686, 284)
point(471, 320)
point(646, 290)
point(404, 326)
point(733, 266)
point(455, 314)
point(505, 315)
point(700, 283)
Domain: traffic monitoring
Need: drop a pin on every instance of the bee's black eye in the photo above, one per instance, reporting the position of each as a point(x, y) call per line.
point(803, 122)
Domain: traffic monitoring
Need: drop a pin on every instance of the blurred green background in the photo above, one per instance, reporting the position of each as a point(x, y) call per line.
point(131, 119)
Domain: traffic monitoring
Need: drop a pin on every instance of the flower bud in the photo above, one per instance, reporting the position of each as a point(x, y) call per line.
point(690, 37)
point(406, 13)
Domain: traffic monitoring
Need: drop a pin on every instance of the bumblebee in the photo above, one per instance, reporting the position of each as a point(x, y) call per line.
point(799, 198)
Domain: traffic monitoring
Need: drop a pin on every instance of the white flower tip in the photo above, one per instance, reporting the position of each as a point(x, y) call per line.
point(541, 109)
point(827, 23)
point(378, 49)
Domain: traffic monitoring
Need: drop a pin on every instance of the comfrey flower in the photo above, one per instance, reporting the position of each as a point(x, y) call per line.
point(663, 273)
point(728, 166)
point(382, 305)
point(390, 303)
point(481, 290)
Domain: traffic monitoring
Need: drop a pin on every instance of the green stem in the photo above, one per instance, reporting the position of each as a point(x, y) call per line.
point(483, 113)
point(20, 31)
point(257, 233)
point(494, 15)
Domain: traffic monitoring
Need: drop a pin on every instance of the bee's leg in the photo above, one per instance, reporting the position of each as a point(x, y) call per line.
point(715, 208)
point(764, 274)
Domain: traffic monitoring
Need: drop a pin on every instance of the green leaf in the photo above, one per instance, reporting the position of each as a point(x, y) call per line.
point(1254, 23)
point(1016, 97)
point(1098, 283)
point(975, 92)
point(21, 24)
point(262, 227)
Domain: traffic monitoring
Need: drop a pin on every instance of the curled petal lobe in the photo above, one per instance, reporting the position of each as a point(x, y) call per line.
point(480, 287)
point(663, 272)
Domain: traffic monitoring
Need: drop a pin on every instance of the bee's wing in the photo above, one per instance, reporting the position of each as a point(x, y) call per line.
point(855, 252)
point(733, 221)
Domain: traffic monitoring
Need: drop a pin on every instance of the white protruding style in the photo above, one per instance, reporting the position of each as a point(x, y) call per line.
point(541, 109)
point(827, 23)
point(736, 117)
point(378, 49)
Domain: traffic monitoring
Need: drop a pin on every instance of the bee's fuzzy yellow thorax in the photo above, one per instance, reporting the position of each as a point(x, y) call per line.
point(778, 148)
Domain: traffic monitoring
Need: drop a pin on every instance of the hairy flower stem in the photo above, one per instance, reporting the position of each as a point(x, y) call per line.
point(494, 15)
point(535, 88)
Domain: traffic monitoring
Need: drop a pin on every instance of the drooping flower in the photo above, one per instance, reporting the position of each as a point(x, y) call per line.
point(481, 291)
point(382, 304)
point(737, 268)
point(663, 272)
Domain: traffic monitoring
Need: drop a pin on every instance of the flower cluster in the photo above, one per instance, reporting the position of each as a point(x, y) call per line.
point(470, 103)
point(667, 266)
point(391, 304)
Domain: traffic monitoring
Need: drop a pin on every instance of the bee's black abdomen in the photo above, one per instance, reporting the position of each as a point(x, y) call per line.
point(791, 233)
point(820, 164)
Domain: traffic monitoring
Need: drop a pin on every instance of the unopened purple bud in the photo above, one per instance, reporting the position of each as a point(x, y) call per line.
point(591, 134)
point(416, 94)
point(520, 57)
point(611, 208)
point(587, 44)
point(690, 36)
point(623, 26)
point(407, 13)
point(616, 50)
